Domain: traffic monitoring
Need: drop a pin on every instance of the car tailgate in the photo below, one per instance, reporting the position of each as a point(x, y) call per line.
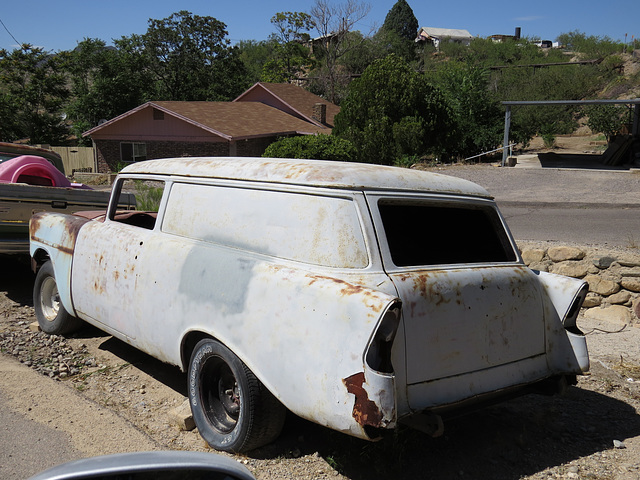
point(458, 321)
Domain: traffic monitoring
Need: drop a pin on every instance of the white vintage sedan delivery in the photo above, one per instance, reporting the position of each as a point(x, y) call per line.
point(356, 296)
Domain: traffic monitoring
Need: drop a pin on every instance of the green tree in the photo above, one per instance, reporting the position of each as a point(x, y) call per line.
point(399, 30)
point(291, 53)
point(190, 58)
point(392, 112)
point(318, 147)
point(590, 47)
point(478, 115)
point(32, 96)
point(254, 55)
point(105, 82)
point(606, 119)
point(401, 21)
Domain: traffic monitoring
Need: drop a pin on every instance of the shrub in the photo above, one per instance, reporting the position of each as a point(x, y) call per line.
point(317, 147)
point(605, 119)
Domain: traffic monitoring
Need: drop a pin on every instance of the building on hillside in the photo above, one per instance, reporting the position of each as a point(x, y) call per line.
point(244, 127)
point(499, 38)
point(435, 36)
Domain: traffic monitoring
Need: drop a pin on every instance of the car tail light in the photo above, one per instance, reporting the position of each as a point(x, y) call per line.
point(379, 352)
point(569, 320)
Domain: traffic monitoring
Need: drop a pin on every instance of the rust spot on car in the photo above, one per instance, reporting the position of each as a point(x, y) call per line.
point(365, 411)
point(430, 288)
point(34, 224)
point(348, 289)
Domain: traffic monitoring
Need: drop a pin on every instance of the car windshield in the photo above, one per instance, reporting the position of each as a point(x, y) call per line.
point(437, 233)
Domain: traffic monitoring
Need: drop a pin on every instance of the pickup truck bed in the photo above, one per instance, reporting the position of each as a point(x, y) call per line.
point(19, 201)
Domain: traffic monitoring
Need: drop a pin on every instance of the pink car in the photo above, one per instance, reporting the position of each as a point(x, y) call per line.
point(34, 170)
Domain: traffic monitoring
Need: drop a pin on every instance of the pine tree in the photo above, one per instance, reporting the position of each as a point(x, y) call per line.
point(401, 21)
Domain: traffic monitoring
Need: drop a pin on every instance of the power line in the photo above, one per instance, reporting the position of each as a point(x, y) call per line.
point(11, 34)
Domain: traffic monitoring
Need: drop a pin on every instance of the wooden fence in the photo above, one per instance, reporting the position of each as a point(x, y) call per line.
point(76, 158)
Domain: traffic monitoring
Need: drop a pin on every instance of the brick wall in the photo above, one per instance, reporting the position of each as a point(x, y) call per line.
point(253, 147)
point(108, 151)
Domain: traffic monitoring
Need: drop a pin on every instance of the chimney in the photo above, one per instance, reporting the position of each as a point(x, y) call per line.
point(320, 113)
point(517, 33)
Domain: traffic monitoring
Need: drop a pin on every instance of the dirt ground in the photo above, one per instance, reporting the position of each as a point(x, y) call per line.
point(592, 432)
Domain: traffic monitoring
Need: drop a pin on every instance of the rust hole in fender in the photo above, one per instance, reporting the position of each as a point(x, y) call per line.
point(365, 411)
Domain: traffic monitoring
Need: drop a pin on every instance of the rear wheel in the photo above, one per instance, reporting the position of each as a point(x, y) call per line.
point(51, 315)
point(232, 409)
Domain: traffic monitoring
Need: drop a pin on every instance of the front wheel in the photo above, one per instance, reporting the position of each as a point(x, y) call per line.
point(51, 315)
point(232, 409)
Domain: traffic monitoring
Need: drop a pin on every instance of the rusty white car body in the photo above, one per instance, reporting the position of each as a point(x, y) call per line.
point(358, 296)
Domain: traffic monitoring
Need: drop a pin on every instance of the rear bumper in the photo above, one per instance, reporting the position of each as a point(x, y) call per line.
point(472, 387)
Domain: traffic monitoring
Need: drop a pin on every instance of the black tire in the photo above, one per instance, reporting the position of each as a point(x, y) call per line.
point(232, 409)
point(51, 315)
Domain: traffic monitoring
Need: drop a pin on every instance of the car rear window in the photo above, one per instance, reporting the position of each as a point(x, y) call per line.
point(312, 229)
point(436, 233)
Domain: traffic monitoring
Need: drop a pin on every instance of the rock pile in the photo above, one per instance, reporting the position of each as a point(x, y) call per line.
point(614, 279)
point(51, 355)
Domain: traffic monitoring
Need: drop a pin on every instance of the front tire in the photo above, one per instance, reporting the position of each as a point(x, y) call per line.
point(51, 315)
point(233, 410)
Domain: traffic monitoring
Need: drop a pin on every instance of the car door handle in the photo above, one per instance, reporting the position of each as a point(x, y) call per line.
point(58, 204)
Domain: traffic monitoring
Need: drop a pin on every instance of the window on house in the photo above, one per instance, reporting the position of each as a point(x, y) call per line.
point(158, 114)
point(133, 152)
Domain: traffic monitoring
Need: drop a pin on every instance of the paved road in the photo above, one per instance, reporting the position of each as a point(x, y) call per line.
point(608, 226)
point(44, 423)
point(570, 205)
point(31, 447)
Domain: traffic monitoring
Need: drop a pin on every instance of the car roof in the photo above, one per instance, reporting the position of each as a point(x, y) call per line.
point(318, 173)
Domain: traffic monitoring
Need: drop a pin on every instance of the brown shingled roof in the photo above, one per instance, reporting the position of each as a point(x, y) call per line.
point(235, 121)
point(240, 120)
point(297, 98)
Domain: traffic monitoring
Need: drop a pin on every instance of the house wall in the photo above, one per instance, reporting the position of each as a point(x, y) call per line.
point(108, 151)
point(254, 147)
point(142, 126)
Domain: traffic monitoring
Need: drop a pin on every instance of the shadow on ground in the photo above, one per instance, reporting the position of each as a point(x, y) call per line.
point(577, 161)
point(511, 440)
point(17, 279)
point(167, 374)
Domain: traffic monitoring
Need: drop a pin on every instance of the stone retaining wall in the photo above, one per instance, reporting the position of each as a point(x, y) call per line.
point(613, 278)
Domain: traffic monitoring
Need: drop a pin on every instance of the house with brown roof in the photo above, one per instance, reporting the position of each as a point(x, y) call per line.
point(293, 100)
point(244, 127)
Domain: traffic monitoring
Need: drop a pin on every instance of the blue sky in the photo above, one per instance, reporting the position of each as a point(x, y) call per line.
point(61, 25)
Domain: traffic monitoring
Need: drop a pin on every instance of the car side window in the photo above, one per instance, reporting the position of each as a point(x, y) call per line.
point(148, 194)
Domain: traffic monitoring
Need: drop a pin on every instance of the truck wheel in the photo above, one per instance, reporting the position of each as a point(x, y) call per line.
point(52, 317)
point(232, 409)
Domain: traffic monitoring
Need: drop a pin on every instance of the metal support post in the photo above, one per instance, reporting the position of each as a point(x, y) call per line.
point(505, 141)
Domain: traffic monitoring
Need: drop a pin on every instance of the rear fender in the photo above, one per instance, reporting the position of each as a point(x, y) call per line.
point(56, 235)
point(566, 344)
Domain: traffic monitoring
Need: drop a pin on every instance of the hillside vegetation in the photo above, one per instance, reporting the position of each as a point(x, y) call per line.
point(400, 100)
